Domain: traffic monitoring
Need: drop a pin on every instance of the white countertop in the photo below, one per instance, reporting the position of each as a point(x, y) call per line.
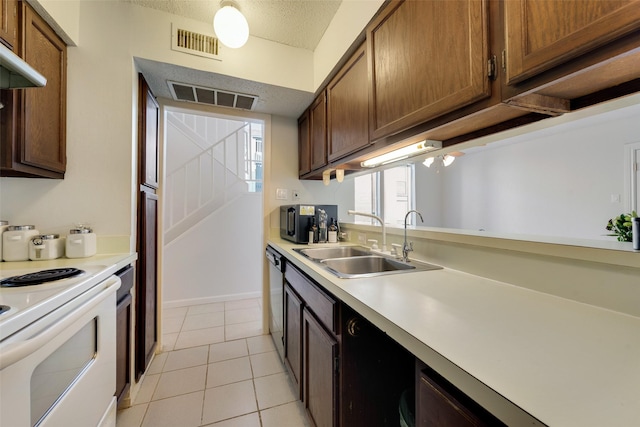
point(563, 362)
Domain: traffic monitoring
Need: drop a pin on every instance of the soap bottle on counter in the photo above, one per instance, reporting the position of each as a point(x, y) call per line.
point(333, 232)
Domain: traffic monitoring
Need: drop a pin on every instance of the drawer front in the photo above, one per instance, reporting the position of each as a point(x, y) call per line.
point(322, 305)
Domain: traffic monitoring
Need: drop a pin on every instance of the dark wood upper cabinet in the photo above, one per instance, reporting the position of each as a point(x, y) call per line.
point(33, 137)
point(318, 132)
point(9, 22)
point(304, 144)
point(348, 108)
point(426, 58)
point(542, 34)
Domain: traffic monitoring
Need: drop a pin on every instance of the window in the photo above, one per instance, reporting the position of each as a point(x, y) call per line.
point(390, 192)
point(253, 155)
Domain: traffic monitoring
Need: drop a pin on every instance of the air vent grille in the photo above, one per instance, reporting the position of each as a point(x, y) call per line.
point(194, 43)
point(210, 96)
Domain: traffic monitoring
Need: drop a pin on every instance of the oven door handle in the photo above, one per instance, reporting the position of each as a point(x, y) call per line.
point(14, 352)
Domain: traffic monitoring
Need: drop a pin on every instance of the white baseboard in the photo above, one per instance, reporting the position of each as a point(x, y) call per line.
point(209, 300)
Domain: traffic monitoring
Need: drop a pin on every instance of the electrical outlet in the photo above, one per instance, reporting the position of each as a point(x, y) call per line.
point(362, 238)
point(295, 194)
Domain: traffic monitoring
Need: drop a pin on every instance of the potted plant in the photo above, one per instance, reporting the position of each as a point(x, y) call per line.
point(620, 226)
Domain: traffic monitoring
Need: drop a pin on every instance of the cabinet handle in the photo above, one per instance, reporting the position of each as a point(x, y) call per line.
point(353, 327)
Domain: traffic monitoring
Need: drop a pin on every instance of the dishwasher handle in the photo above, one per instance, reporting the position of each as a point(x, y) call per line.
point(274, 258)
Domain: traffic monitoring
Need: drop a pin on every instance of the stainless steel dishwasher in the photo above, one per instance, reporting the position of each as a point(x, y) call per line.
point(276, 304)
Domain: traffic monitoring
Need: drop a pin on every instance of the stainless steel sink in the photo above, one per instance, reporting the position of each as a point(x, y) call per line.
point(350, 262)
point(318, 254)
point(372, 266)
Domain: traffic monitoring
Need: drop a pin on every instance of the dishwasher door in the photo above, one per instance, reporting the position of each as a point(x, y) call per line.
point(276, 300)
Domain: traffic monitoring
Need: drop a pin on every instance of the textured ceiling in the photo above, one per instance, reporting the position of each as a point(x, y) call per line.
point(297, 23)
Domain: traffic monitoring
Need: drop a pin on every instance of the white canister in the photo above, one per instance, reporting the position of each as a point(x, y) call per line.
point(3, 226)
point(46, 246)
point(81, 243)
point(15, 242)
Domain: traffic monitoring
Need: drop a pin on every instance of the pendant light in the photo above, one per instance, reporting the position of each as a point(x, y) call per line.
point(230, 25)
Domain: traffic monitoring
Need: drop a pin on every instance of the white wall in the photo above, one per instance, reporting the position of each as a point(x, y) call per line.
point(284, 174)
point(219, 259)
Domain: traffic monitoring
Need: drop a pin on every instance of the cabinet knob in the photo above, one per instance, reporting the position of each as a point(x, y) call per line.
point(353, 327)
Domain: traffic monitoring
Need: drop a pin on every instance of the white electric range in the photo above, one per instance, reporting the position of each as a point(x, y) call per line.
point(57, 345)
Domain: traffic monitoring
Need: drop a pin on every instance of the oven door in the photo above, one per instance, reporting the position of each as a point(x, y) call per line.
point(60, 370)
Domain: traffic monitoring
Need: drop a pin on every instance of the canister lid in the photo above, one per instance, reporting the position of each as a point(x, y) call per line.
point(3, 222)
point(21, 227)
point(46, 237)
point(83, 230)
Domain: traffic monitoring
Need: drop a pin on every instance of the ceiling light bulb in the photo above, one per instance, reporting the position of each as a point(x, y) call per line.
point(231, 26)
point(339, 175)
point(428, 162)
point(447, 160)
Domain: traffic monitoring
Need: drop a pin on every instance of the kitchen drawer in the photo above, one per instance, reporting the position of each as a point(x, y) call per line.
point(319, 302)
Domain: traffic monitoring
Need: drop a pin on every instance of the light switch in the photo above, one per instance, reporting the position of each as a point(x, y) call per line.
point(282, 194)
point(615, 198)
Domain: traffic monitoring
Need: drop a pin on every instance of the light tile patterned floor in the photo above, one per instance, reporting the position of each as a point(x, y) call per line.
point(216, 369)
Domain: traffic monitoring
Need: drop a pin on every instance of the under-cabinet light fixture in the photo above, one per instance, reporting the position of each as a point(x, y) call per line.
point(403, 153)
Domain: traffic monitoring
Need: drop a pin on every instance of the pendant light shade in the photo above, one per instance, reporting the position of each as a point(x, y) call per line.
point(231, 26)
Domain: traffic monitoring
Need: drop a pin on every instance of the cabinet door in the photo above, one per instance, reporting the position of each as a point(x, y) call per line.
point(9, 22)
point(44, 141)
point(293, 336)
point(318, 132)
point(147, 285)
point(426, 58)
point(33, 133)
point(320, 381)
point(304, 144)
point(348, 108)
point(149, 139)
point(541, 34)
point(123, 348)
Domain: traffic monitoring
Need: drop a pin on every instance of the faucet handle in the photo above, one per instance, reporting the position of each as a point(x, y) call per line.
point(396, 250)
point(374, 243)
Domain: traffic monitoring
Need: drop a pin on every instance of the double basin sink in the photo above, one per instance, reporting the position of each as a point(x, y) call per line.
point(348, 262)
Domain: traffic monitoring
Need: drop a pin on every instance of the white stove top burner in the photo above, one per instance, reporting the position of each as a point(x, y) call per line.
point(29, 303)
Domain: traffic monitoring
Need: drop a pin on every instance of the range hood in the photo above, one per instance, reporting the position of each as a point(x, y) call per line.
point(15, 73)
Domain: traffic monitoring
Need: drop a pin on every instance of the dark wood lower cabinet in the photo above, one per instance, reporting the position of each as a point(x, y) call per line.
point(440, 404)
point(293, 337)
point(320, 367)
point(123, 332)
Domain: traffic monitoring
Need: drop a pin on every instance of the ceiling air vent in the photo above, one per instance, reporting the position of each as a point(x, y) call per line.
point(210, 96)
point(194, 43)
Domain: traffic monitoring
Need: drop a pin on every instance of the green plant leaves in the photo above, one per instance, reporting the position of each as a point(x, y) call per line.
point(620, 226)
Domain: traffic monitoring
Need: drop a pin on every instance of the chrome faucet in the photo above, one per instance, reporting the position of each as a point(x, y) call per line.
point(384, 232)
point(408, 246)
